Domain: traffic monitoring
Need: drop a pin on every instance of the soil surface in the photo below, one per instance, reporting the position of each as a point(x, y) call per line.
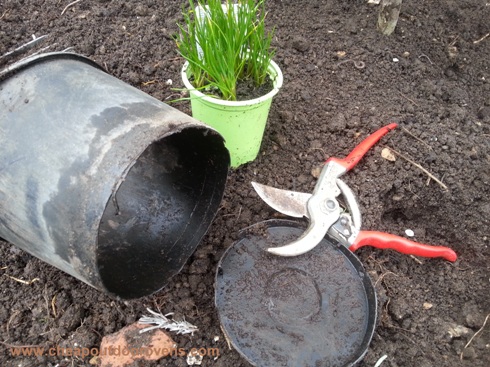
point(342, 81)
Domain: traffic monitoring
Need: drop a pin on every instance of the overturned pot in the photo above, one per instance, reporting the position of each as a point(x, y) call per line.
point(101, 180)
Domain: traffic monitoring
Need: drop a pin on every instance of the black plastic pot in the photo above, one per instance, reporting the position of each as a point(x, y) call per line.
point(101, 180)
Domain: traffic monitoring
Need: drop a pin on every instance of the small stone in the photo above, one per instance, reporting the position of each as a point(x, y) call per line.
point(300, 44)
point(457, 331)
point(280, 140)
point(149, 70)
point(133, 77)
point(406, 54)
point(141, 10)
point(341, 54)
point(338, 123)
point(427, 305)
point(387, 154)
point(305, 95)
point(469, 353)
point(315, 171)
point(316, 144)
point(286, 116)
point(397, 197)
point(302, 179)
point(194, 358)
point(409, 233)
point(484, 114)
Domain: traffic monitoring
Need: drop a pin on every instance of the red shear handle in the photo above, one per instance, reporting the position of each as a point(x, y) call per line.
point(388, 241)
point(355, 156)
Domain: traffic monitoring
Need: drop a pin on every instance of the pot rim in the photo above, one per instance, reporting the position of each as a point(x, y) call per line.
point(273, 69)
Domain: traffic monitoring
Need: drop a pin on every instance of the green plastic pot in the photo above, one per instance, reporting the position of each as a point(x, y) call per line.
point(241, 123)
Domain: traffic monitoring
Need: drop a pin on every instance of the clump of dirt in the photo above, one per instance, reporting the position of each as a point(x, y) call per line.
point(431, 76)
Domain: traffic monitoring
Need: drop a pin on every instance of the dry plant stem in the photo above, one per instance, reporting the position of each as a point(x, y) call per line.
point(69, 5)
point(416, 260)
point(481, 39)
point(427, 57)
point(12, 317)
point(474, 336)
point(53, 305)
point(418, 139)
point(420, 167)
point(382, 276)
point(27, 282)
point(408, 99)
point(21, 346)
point(380, 361)
point(226, 337)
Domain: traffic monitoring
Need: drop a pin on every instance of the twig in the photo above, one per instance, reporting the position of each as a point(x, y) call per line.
point(416, 260)
point(53, 305)
point(22, 346)
point(239, 213)
point(474, 336)
point(427, 57)
point(70, 4)
point(421, 168)
point(418, 139)
point(382, 276)
point(12, 317)
point(380, 361)
point(4, 14)
point(226, 337)
point(357, 63)
point(481, 39)
point(404, 96)
point(144, 84)
point(27, 282)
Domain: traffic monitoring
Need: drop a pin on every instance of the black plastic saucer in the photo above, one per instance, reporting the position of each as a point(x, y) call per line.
point(316, 309)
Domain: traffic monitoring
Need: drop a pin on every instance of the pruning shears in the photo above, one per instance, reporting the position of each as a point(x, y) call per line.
point(326, 215)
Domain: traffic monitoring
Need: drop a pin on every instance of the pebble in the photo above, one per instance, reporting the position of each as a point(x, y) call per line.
point(457, 331)
point(484, 114)
point(300, 44)
point(338, 123)
point(409, 233)
point(286, 116)
point(141, 10)
point(469, 353)
point(305, 95)
point(148, 70)
point(315, 171)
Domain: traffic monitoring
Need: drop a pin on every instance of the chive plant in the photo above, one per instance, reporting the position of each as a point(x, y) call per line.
point(225, 44)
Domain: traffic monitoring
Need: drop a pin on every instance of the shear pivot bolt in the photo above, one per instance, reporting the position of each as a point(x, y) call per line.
point(330, 205)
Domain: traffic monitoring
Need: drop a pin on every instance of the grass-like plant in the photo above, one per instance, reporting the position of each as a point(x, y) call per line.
point(225, 43)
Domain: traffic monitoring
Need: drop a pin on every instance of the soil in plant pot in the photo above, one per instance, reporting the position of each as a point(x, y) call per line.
point(246, 89)
point(431, 76)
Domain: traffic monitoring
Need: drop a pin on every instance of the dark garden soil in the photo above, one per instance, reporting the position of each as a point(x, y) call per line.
point(431, 76)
